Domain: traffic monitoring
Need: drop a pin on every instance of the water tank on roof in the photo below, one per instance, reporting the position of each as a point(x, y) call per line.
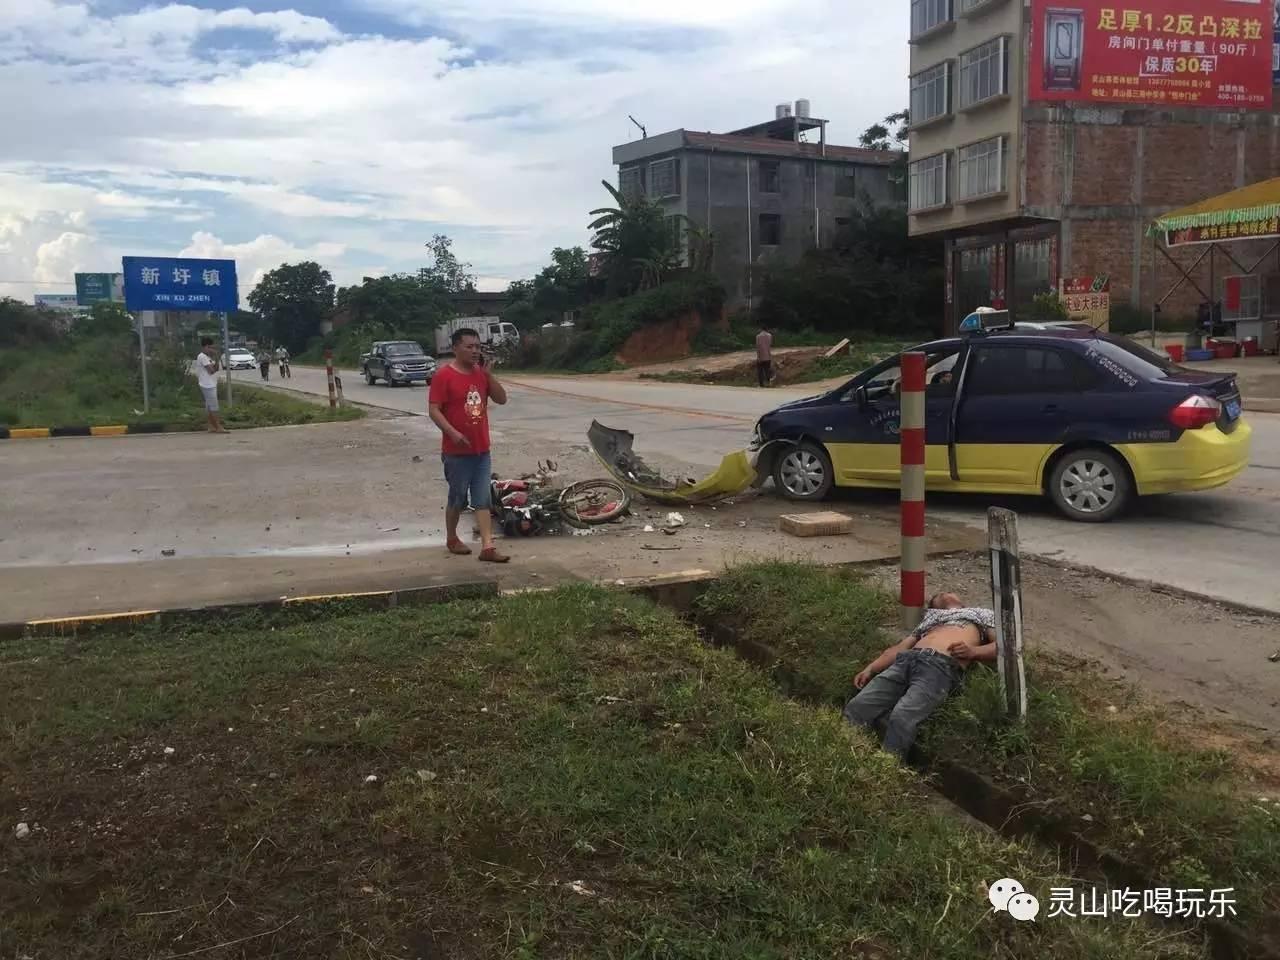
point(802, 109)
point(782, 111)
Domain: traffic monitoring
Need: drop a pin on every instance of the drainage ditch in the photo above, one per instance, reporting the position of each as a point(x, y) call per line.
point(1010, 812)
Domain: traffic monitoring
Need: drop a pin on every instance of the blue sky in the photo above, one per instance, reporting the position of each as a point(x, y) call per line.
point(350, 132)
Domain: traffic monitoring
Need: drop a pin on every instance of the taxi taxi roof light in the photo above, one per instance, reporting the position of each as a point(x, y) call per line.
point(1195, 412)
point(984, 320)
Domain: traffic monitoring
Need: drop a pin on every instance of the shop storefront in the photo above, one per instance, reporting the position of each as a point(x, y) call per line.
point(1005, 270)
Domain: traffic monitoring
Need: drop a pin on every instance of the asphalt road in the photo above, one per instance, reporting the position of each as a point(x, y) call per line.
point(1225, 543)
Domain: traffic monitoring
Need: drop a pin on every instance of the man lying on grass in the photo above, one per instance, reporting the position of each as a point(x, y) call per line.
point(911, 678)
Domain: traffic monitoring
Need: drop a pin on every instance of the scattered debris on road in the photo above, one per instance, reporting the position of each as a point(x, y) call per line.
point(21, 831)
point(675, 520)
point(168, 553)
point(614, 449)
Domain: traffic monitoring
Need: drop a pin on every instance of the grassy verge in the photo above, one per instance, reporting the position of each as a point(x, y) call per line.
point(567, 774)
point(1186, 814)
point(97, 381)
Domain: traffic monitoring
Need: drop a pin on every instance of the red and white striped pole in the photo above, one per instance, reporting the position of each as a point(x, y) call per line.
point(911, 442)
point(328, 372)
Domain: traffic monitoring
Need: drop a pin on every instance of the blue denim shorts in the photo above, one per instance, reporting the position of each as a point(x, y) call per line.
point(468, 476)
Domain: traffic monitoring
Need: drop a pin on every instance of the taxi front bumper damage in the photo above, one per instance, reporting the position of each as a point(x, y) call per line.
point(737, 471)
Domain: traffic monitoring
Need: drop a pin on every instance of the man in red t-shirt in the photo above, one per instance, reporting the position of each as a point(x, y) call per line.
point(459, 405)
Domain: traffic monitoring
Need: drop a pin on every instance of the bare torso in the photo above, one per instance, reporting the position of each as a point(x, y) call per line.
point(941, 637)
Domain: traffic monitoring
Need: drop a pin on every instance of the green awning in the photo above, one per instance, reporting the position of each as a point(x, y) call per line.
point(1258, 201)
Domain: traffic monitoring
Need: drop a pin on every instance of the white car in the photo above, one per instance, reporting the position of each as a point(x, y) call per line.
point(241, 360)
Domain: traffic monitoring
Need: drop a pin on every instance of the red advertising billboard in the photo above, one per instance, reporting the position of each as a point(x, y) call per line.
point(1167, 53)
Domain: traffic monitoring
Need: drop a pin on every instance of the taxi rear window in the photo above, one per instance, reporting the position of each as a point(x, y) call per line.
point(1137, 359)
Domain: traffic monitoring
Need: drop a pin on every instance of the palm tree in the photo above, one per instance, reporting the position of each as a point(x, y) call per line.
point(638, 241)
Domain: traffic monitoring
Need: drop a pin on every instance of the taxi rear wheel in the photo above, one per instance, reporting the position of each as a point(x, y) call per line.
point(1090, 485)
point(803, 472)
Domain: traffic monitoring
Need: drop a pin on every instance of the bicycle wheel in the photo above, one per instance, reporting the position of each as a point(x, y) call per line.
point(590, 502)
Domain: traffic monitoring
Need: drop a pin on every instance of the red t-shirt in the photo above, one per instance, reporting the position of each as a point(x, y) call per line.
point(464, 401)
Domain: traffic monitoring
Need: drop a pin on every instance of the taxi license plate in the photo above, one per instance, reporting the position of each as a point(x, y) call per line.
point(1233, 409)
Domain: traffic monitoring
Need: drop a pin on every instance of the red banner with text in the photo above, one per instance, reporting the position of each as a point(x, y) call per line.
point(1168, 53)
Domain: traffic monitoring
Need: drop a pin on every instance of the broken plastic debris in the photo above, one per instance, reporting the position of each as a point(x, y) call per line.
point(169, 751)
point(582, 533)
point(675, 519)
point(21, 831)
point(648, 528)
point(580, 888)
point(371, 778)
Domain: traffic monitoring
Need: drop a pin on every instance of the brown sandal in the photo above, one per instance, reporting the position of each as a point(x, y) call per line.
point(491, 555)
point(458, 547)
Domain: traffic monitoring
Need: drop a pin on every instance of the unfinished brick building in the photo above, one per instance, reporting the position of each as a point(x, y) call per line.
point(1032, 165)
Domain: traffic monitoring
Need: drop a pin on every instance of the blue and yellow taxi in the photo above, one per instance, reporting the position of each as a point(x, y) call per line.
point(1088, 419)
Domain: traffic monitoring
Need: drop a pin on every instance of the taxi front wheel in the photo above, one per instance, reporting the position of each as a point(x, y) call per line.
point(803, 472)
point(1090, 485)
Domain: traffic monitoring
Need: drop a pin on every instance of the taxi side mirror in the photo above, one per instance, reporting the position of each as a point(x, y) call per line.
point(860, 397)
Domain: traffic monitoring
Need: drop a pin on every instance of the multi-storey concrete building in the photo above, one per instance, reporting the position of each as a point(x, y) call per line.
point(1032, 164)
point(773, 190)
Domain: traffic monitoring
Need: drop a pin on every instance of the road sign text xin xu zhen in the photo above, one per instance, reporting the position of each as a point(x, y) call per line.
point(159, 283)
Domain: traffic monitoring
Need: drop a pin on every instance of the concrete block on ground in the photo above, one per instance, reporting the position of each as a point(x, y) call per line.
point(826, 523)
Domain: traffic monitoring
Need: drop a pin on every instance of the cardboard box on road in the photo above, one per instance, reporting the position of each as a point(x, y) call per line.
point(828, 523)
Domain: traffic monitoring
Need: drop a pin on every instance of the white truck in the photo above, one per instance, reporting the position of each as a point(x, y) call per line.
point(494, 331)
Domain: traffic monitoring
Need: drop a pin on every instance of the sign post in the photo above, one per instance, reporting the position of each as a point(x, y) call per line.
point(168, 283)
point(1006, 596)
point(226, 352)
point(142, 356)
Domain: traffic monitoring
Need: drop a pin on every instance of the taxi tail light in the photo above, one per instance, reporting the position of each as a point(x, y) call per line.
point(1195, 412)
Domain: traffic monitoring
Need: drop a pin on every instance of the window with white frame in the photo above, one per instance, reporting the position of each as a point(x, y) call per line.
point(927, 14)
point(664, 178)
point(928, 179)
point(969, 6)
point(931, 94)
point(980, 169)
point(984, 72)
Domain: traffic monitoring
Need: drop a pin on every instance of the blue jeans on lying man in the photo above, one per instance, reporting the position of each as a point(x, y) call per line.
point(913, 686)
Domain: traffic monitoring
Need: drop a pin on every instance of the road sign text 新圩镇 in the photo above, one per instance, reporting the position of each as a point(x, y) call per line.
point(165, 283)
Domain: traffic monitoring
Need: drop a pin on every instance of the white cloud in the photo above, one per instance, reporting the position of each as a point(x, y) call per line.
point(371, 144)
point(255, 257)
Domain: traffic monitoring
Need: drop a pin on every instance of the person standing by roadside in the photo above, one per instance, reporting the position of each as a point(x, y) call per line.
point(458, 402)
point(764, 356)
point(282, 358)
point(264, 363)
point(205, 366)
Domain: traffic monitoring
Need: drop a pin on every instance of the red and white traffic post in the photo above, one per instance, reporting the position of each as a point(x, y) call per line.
point(328, 372)
point(911, 437)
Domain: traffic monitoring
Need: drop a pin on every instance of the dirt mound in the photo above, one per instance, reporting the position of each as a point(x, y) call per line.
point(740, 368)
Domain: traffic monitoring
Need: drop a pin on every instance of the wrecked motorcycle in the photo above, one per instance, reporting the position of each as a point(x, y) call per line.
point(525, 508)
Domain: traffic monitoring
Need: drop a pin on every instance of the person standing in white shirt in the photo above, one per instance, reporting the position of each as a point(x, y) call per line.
point(205, 366)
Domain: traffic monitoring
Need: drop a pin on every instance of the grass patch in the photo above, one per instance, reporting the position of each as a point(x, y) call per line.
point(1185, 813)
point(96, 381)
point(567, 774)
